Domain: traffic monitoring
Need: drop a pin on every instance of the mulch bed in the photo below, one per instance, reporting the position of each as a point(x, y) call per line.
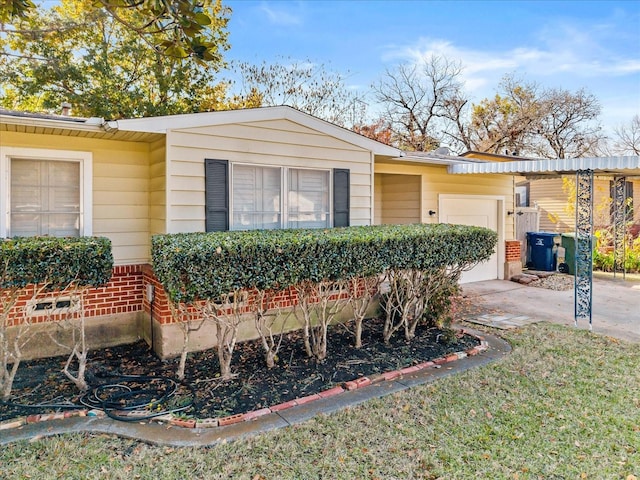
point(254, 386)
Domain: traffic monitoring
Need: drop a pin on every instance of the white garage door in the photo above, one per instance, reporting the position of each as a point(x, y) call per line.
point(475, 211)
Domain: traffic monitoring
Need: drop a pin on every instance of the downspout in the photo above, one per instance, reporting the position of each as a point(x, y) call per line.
point(372, 214)
point(110, 126)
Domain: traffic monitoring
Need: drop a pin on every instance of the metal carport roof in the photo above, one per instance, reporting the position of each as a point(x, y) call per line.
point(626, 166)
point(621, 168)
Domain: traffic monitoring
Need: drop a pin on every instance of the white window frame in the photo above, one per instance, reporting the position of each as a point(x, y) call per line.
point(284, 190)
point(85, 159)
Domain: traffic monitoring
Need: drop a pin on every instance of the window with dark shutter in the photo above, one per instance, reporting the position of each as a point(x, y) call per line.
point(216, 179)
point(341, 195)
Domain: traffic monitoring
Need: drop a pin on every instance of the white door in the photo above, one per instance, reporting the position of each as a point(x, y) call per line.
point(479, 212)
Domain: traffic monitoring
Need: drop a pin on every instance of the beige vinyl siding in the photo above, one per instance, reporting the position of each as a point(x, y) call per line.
point(157, 188)
point(377, 204)
point(280, 143)
point(435, 181)
point(399, 198)
point(557, 207)
point(601, 203)
point(552, 204)
point(120, 188)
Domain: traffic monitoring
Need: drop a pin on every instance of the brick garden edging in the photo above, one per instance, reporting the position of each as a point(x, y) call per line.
point(252, 415)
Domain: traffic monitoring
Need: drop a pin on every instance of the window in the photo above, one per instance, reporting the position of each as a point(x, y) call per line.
point(522, 194)
point(47, 192)
point(308, 199)
point(256, 197)
point(247, 197)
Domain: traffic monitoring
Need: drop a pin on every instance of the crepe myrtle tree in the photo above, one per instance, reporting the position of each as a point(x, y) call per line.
point(423, 263)
point(361, 294)
point(270, 319)
point(54, 273)
point(190, 320)
point(230, 276)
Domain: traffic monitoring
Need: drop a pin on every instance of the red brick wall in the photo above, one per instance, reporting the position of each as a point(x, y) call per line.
point(126, 293)
point(162, 313)
point(123, 294)
point(512, 250)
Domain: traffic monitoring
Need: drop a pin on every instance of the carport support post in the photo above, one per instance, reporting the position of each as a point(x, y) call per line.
point(584, 246)
point(619, 225)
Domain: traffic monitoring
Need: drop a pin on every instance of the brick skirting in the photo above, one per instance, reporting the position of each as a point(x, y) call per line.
point(123, 294)
point(512, 250)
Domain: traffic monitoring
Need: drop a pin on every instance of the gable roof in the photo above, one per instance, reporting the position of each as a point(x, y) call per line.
point(224, 117)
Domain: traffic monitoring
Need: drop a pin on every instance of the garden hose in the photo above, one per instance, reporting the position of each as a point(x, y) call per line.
point(155, 396)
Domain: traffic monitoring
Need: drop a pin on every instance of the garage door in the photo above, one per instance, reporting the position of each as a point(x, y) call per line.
point(475, 211)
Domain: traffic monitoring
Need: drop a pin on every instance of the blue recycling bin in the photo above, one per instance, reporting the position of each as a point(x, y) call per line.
point(541, 251)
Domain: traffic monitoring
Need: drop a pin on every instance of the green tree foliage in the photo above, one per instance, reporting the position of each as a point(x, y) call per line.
point(178, 29)
point(80, 54)
point(527, 120)
point(506, 122)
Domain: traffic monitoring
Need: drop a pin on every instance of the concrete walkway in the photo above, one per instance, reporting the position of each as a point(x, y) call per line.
point(615, 306)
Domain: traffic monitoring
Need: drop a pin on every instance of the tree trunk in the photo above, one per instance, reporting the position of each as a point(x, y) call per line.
point(183, 354)
point(8, 375)
point(226, 343)
point(358, 333)
point(224, 358)
point(270, 358)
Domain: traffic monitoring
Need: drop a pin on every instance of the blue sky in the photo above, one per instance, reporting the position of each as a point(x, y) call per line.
point(593, 45)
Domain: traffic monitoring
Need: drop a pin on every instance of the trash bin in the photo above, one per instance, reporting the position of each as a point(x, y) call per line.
point(541, 251)
point(569, 244)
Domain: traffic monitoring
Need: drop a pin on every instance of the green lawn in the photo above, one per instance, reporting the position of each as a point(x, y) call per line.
point(564, 405)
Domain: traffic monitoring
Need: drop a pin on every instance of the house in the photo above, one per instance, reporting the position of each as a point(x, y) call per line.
point(271, 167)
point(553, 196)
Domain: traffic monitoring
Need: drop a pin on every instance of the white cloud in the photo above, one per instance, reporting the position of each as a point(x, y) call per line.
point(281, 16)
point(561, 52)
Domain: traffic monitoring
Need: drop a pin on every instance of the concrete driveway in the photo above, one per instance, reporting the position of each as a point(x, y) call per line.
point(616, 304)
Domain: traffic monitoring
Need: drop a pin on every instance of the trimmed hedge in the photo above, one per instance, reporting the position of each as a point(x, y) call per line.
point(56, 262)
point(201, 266)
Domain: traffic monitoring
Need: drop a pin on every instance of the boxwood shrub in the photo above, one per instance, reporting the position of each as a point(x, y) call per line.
point(56, 262)
point(202, 266)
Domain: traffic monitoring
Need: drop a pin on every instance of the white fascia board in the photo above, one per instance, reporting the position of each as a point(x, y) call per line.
point(203, 119)
point(427, 160)
point(82, 126)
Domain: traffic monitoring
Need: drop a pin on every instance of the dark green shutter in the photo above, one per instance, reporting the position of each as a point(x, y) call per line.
point(341, 196)
point(216, 185)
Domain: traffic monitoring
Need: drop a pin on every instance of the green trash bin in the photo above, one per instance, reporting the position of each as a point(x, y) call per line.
point(568, 242)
